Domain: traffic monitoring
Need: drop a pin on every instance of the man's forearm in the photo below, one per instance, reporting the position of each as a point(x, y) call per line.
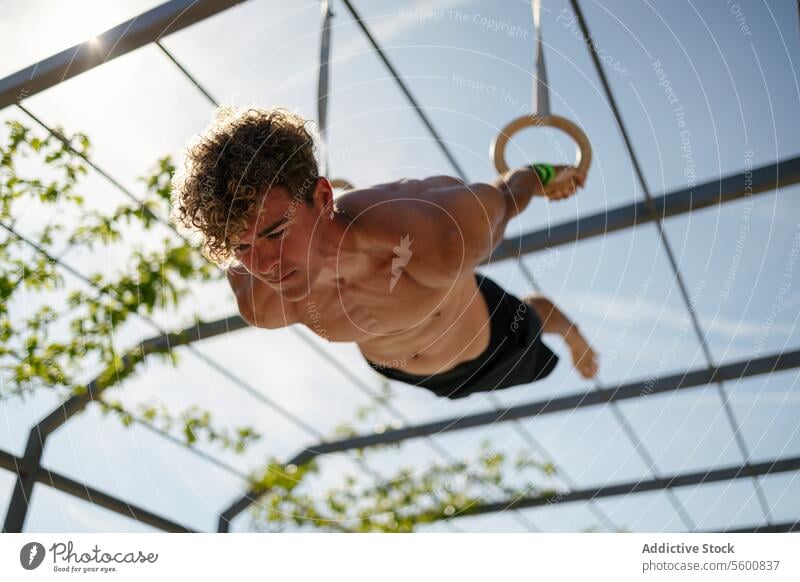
point(519, 186)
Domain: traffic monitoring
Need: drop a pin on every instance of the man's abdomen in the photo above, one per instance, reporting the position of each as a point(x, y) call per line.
point(457, 329)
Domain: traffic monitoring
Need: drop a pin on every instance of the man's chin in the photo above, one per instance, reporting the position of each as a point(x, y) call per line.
point(296, 291)
point(294, 294)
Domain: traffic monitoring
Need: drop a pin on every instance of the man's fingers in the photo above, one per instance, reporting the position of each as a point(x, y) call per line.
point(570, 173)
point(568, 180)
point(563, 192)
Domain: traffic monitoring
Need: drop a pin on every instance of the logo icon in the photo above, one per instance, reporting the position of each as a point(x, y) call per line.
point(402, 256)
point(31, 555)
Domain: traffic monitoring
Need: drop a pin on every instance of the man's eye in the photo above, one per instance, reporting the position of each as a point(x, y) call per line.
point(241, 248)
point(276, 235)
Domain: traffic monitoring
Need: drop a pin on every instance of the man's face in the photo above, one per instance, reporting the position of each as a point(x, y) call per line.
point(278, 244)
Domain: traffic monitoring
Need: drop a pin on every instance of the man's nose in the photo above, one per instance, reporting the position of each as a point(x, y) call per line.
point(265, 262)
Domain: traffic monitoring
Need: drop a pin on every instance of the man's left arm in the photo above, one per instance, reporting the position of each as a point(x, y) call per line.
point(453, 226)
point(522, 184)
point(478, 214)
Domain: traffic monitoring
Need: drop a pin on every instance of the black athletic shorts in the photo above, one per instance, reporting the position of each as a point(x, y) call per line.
point(516, 354)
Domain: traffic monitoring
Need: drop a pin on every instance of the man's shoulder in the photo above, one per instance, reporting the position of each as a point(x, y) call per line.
point(403, 220)
point(405, 189)
point(360, 200)
point(387, 212)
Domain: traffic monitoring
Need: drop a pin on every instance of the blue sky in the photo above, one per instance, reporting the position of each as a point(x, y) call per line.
point(738, 93)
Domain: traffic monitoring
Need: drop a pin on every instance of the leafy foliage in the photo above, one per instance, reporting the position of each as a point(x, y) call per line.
point(399, 504)
point(148, 282)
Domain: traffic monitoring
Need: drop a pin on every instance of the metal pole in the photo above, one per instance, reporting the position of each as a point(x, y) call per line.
point(71, 487)
point(689, 379)
point(94, 496)
point(786, 526)
point(765, 179)
point(30, 463)
point(701, 336)
point(770, 467)
point(407, 92)
point(132, 34)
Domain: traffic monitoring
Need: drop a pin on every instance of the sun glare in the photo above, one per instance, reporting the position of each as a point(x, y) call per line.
point(81, 22)
point(88, 27)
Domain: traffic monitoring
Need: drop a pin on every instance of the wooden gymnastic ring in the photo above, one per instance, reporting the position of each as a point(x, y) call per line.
point(584, 154)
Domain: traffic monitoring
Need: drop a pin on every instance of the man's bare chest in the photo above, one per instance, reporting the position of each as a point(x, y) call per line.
point(388, 305)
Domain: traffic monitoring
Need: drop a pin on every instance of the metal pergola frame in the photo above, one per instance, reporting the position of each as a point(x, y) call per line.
point(637, 389)
point(175, 15)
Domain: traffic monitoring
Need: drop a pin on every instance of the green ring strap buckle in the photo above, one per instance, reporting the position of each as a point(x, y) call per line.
point(546, 172)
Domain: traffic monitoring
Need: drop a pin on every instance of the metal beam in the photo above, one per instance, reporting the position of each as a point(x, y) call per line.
point(640, 388)
point(761, 180)
point(637, 389)
point(680, 480)
point(27, 470)
point(92, 495)
point(155, 344)
point(9, 462)
point(132, 34)
point(71, 487)
point(406, 91)
point(30, 463)
point(667, 247)
point(786, 526)
point(109, 502)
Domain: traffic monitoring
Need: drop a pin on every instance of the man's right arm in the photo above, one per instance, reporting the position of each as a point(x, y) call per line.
point(259, 305)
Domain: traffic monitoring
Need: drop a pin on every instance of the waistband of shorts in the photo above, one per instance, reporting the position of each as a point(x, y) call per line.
point(493, 295)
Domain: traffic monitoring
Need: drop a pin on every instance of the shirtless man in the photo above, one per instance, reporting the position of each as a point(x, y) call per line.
point(390, 267)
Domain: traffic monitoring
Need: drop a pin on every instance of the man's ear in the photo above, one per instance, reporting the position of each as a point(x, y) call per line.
point(323, 195)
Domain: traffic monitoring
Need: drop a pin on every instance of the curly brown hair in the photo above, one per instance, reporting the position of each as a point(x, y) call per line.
point(228, 167)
